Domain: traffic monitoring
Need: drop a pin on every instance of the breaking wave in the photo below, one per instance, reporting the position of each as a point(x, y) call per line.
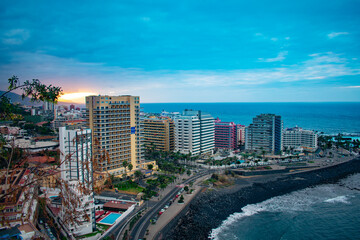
point(297, 201)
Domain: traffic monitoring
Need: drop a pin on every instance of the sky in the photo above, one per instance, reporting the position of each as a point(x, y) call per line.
point(186, 51)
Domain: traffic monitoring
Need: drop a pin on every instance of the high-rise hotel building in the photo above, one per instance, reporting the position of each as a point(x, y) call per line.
point(225, 135)
point(159, 133)
point(116, 129)
point(194, 132)
point(264, 134)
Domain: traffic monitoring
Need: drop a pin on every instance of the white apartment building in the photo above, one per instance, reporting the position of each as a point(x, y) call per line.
point(77, 174)
point(194, 132)
point(298, 137)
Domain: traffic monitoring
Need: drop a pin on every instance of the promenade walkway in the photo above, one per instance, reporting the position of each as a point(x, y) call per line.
point(173, 210)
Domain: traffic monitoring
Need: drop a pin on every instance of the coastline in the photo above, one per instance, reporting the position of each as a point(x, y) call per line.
point(209, 209)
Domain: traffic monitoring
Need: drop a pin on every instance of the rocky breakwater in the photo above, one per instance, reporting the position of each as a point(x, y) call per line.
point(211, 208)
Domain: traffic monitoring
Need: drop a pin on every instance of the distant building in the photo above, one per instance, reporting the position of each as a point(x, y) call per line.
point(32, 145)
point(225, 135)
point(298, 137)
point(48, 106)
point(264, 134)
point(77, 173)
point(159, 133)
point(240, 129)
point(194, 132)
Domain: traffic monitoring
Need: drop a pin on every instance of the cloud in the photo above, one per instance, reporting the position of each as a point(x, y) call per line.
point(351, 87)
point(15, 36)
point(335, 34)
point(75, 76)
point(280, 57)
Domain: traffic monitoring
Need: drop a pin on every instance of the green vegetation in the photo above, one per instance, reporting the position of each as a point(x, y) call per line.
point(89, 235)
point(34, 119)
point(327, 142)
point(225, 161)
point(181, 200)
point(34, 129)
point(214, 178)
point(100, 228)
point(168, 162)
point(129, 186)
point(150, 166)
point(161, 181)
point(134, 220)
point(33, 89)
point(218, 180)
point(148, 193)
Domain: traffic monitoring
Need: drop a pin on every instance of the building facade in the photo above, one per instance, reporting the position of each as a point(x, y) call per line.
point(225, 135)
point(194, 132)
point(240, 130)
point(77, 180)
point(298, 137)
point(18, 198)
point(116, 131)
point(264, 134)
point(159, 133)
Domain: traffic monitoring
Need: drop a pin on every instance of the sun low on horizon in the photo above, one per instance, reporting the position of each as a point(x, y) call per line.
point(78, 97)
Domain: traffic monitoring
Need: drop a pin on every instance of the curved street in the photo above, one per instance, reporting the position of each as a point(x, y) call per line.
point(140, 227)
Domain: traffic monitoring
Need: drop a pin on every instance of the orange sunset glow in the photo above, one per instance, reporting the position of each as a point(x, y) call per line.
point(75, 97)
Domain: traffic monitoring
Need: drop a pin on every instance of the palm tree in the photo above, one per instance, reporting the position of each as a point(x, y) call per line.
point(130, 167)
point(150, 166)
point(125, 164)
point(138, 175)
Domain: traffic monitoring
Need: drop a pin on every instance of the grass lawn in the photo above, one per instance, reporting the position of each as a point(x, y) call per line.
point(88, 235)
point(129, 187)
point(102, 226)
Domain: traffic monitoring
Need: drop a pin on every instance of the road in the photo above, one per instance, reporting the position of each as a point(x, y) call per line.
point(140, 227)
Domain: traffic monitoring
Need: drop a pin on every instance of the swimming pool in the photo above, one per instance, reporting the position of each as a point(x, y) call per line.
point(110, 219)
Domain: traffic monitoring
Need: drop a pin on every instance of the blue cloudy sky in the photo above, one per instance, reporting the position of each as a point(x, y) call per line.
point(187, 51)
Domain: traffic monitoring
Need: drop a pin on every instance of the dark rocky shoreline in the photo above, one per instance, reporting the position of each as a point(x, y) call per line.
point(209, 209)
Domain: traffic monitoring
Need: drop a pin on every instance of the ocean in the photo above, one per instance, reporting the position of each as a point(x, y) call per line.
point(330, 118)
point(329, 211)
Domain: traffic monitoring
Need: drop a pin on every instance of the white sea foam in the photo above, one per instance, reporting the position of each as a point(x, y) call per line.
point(339, 199)
point(247, 211)
point(301, 200)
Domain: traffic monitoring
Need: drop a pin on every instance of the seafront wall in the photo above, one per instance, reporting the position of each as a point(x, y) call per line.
point(211, 208)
